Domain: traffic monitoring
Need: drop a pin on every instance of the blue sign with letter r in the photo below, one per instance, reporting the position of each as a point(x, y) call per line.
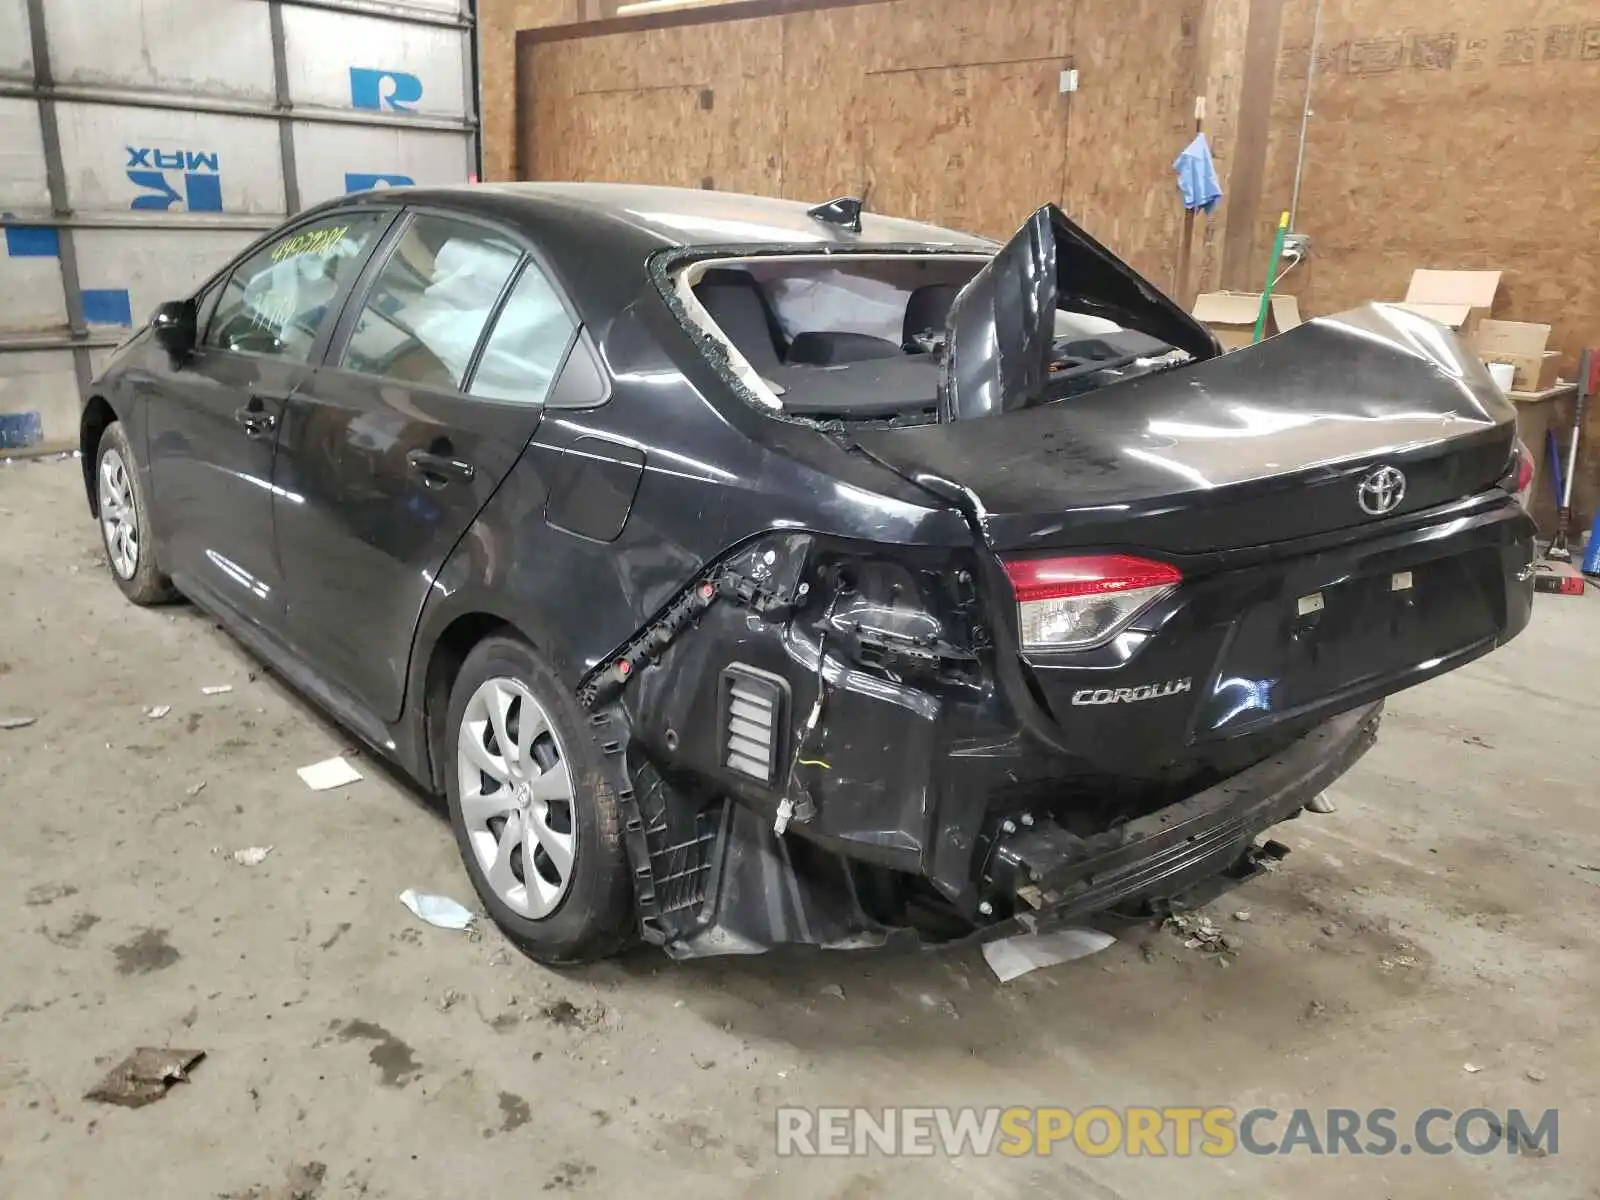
point(372, 88)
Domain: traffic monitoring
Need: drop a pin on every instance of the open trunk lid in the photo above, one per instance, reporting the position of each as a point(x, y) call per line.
point(1268, 443)
point(1001, 328)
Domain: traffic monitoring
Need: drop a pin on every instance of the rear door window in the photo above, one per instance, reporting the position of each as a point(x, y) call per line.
point(276, 301)
point(428, 307)
point(529, 343)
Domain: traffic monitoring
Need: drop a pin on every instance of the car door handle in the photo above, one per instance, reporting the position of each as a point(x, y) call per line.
point(257, 421)
point(439, 469)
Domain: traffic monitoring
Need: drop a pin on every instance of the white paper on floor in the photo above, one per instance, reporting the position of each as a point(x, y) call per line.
point(1012, 957)
point(436, 910)
point(329, 773)
point(221, 689)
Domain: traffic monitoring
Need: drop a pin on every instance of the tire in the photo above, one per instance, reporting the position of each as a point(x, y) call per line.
point(579, 915)
point(123, 514)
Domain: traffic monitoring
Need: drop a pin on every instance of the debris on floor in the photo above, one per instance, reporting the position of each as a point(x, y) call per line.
point(1534, 1075)
point(328, 774)
point(251, 856)
point(156, 712)
point(221, 689)
point(440, 911)
point(17, 721)
point(1010, 958)
point(1470, 1069)
point(1242, 914)
point(834, 990)
point(566, 1015)
point(144, 1076)
point(1198, 932)
point(194, 789)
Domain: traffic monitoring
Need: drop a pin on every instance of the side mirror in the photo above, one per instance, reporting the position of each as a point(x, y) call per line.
point(174, 327)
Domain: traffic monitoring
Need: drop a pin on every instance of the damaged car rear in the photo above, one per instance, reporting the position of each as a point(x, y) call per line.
point(1143, 603)
point(863, 582)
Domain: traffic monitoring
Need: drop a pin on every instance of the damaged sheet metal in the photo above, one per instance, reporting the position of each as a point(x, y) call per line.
point(145, 1076)
point(1002, 327)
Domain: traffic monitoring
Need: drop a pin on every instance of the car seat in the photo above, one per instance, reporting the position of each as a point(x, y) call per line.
point(736, 303)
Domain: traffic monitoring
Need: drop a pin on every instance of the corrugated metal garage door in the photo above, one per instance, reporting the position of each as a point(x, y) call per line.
point(143, 142)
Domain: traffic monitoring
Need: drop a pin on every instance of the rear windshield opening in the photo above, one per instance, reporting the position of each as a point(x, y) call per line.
point(861, 337)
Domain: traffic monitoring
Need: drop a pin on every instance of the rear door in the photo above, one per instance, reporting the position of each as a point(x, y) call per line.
point(433, 385)
point(214, 420)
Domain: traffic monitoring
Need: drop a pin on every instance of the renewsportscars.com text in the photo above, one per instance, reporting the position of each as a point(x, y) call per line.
point(1159, 1132)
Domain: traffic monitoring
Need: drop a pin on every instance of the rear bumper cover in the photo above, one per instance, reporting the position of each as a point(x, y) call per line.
point(764, 891)
point(1196, 841)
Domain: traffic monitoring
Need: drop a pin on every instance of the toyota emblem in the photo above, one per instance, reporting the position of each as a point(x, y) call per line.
point(1381, 491)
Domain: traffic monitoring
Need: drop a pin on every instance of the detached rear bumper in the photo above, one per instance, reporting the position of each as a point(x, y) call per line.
point(1053, 878)
point(756, 891)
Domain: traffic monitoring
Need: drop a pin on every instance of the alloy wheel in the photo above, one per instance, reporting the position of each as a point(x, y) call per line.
point(119, 517)
point(516, 796)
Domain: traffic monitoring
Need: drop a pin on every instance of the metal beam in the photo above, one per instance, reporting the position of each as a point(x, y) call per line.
point(285, 106)
point(60, 203)
point(473, 89)
point(219, 222)
point(381, 11)
point(91, 340)
point(134, 98)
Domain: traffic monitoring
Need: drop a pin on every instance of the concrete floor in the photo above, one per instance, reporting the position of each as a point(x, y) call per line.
point(1445, 915)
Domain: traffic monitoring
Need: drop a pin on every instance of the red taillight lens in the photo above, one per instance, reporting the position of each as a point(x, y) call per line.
point(1524, 468)
point(1081, 602)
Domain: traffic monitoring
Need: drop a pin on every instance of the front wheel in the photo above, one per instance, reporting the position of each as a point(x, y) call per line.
point(533, 813)
point(124, 515)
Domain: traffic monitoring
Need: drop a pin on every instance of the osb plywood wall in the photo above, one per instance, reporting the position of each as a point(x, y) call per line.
point(948, 110)
point(498, 22)
point(1461, 135)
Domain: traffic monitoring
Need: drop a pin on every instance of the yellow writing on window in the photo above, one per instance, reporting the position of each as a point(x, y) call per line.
point(313, 241)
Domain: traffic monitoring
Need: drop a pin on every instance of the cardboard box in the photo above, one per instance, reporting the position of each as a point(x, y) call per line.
point(1520, 344)
point(1460, 300)
point(1534, 372)
point(1512, 337)
point(1231, 316)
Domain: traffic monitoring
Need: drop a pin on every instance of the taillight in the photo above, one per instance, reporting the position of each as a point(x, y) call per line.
point(1084, 601)
point(1522, 464)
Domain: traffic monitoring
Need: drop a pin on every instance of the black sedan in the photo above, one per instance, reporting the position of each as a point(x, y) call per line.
point(745, 573)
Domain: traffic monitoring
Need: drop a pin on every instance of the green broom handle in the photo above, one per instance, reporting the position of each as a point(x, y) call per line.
point(1272, 275)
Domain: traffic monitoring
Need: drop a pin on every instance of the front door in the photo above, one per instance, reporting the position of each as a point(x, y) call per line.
point(214, 422)
point(391, 449)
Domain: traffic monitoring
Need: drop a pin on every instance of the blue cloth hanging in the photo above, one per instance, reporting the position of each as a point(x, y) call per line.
point(1197, 176)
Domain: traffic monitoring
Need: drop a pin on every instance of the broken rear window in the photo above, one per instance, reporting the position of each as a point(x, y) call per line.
point(862, 336)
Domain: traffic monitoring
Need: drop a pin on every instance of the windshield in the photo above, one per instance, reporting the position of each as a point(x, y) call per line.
point(862, 337)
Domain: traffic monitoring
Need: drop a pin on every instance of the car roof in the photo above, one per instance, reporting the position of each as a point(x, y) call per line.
point(690, 217)
point(598, 236)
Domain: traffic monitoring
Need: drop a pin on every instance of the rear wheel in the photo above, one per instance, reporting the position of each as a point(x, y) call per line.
point(534, 816)
point(125, 521)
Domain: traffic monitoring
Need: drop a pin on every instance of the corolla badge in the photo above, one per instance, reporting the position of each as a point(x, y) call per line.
point(1133, 695)
point(1381, 491)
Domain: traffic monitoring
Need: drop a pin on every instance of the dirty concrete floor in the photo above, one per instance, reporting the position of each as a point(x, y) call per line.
point(1444, 916)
